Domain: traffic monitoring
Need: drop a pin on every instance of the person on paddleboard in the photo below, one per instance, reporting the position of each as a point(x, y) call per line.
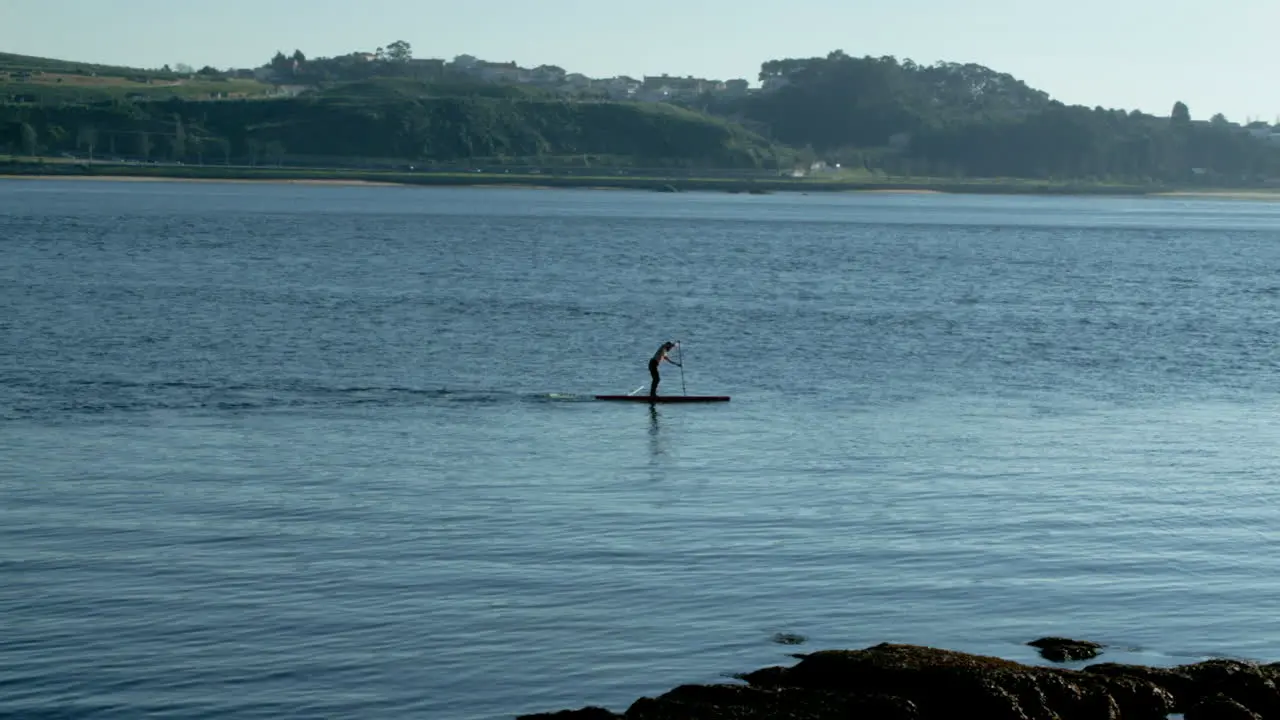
point(656, 360)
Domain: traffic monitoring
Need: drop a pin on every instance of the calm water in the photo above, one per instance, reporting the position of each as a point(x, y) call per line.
point(288, 451)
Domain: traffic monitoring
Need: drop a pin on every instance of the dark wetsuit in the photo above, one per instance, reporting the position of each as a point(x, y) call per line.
point(653, 369)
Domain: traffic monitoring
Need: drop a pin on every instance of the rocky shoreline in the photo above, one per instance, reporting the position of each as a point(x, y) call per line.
point(911, 682)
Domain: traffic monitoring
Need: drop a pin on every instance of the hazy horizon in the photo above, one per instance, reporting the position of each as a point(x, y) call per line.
point(1124, 54)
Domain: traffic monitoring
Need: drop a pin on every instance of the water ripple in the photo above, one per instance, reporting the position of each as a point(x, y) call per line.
point(299, 452)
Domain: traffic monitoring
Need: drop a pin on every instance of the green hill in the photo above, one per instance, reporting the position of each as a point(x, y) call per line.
point(396, 89)
point(840, 101)
point(966, 120)
point(11, 63)
point(872, 116)
point(46, 81)
point(387, 120)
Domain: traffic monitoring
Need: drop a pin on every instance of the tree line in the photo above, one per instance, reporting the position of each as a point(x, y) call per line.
point(386, 120)
point(970, 121)
point(875, 113)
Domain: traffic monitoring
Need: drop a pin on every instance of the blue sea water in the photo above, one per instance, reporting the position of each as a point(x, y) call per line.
point(276, 451)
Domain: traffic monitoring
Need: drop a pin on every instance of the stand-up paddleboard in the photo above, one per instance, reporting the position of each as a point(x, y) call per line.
point(683, 397)
point(666, 398)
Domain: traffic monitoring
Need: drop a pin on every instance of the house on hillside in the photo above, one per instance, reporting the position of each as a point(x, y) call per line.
point(288, 90)
point(546, 75)
point(465, 63)
point(621, 87)
point(659, 88)
point(666, 87)
point(507, 72)
point(425, 68)
point(577, 81)
point(1262, 131)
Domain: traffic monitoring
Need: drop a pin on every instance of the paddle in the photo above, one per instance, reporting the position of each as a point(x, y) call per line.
point(680, 347)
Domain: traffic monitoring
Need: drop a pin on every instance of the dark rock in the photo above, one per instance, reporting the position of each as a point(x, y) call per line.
point(770, 677)
point(1056, 649)
point(736, 702)
point(1175, 681)
point(909, 682)
point(1179, 685)
point(1220, 707)
point(1250, 684)
point(716, 702)
point(586, 713)
point(941, 681)
point(788, 639)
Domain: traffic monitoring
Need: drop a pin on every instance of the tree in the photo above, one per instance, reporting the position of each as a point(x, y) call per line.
point(838, 100)
point(1219, 119)
point(183, 69)
point(179, 138)
point(195, 144)
point(57, 135)
point(298, 57)
point(1180, 115)
point(274, 151)
point(30, 141)
point(281, 63)
point(87, 137)
point(399, 51)
point(806, 157)
point(144, 145)
point(221, 146)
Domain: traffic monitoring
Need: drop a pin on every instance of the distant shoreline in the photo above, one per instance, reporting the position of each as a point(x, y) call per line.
point(163, 178)
point(1241, 194)
point(734, 185)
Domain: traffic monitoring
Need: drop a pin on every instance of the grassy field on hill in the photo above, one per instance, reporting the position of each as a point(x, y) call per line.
point(44, 80)
point(57, 88)
point(11, 63)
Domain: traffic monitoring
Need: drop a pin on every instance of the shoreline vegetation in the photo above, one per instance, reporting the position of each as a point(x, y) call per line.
point(833, 123)
point(912, 682)
point(55, 170)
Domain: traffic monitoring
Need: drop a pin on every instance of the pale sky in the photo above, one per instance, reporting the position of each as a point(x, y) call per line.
point(1129, 54)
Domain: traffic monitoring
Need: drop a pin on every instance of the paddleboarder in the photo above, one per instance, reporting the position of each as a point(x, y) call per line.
point(655, 361)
